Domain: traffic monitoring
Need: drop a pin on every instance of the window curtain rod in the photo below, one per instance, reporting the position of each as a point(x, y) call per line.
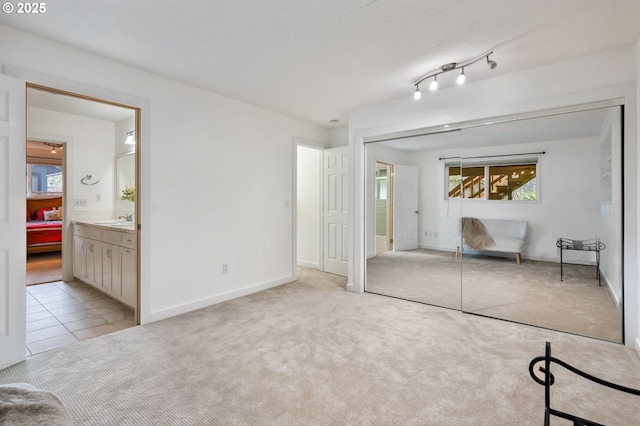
point(492, 156)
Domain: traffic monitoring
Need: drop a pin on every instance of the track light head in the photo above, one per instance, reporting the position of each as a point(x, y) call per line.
point(417, 94)
point(461, 78)
point(491, 64)
point(434, 84)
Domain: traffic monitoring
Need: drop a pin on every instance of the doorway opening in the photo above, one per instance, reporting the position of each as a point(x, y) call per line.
point(44, 193)
point(384, 207)
point(309, 242)
point(87, 285)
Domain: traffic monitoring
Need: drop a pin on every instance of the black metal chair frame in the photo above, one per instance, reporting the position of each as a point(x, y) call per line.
point(549, 380)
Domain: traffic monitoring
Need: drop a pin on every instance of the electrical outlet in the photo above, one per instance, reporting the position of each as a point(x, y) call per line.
point(286, 204)
point(225, 268)
point(98, 197)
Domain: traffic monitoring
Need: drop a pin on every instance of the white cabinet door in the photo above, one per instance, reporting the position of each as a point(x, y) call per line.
point(98, 265)
point(111, 268)
point(80, 257)
point(90, 246)
point(13, 334)
point(128, 275)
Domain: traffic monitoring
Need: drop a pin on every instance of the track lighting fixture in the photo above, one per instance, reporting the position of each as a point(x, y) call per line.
point(53, 146)
point(450, 67)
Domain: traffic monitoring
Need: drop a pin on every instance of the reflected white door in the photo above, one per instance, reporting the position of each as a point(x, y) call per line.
point(405, 207)
point(336, 210)
point(13, 237)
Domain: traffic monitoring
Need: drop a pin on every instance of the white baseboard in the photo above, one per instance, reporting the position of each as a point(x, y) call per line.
point(438, 248)
point(219, 298)
point(306, 264)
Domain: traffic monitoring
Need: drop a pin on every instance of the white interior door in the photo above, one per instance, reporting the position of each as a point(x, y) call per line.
point(336, 210)
point(12, 222)
point(405, 207)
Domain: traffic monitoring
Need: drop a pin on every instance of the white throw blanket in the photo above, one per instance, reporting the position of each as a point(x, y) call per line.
point(23, 404)
point(475, 234)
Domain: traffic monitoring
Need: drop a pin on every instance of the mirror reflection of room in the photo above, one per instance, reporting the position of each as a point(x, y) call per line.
point(494, 205)
point(414, 267)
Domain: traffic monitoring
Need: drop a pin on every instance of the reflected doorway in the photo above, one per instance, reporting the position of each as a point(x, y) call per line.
point(384, 207)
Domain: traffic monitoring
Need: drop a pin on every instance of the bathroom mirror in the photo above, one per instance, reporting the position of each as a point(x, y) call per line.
point(125, 180)
point(558, 175)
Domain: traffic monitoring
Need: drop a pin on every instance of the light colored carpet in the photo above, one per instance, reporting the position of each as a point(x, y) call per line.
point(310, 353)
point(530, 293)
point(44, 267)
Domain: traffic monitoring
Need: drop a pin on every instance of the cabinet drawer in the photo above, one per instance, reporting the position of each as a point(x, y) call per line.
point(128, 240)
point(78, 230)
point(111, 237)
point(91, 232)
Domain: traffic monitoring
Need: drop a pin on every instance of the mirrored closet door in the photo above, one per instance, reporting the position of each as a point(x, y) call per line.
point(515, 218)
point(545, 189)
point(410, 226)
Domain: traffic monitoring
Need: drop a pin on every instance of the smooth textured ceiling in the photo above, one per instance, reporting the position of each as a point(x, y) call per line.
point(317, 59)
point(76, 106)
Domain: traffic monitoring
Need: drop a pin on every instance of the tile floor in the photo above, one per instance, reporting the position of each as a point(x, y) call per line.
point(61, 313)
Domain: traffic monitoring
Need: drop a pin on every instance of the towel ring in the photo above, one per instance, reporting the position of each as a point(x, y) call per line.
point(86, 178)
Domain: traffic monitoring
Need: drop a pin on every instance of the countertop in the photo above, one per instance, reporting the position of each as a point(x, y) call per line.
point(111, 224)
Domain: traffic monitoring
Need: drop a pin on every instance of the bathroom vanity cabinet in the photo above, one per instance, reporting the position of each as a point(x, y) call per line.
point(104, 256)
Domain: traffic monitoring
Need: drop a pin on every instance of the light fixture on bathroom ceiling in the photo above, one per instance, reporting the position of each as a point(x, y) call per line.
point(53, 146)
point(131, 138)
point(450, 67)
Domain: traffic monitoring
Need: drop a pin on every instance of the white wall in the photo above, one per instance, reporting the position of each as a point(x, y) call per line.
point(215, 176)
point(309, 169)
point(609, 75)
point(567, 204)
point(339, 136)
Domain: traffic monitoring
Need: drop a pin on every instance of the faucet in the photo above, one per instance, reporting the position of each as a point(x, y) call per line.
point(127, 217)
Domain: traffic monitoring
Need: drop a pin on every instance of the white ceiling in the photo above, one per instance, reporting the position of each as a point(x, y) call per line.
point(76, 106)
point(317, 59)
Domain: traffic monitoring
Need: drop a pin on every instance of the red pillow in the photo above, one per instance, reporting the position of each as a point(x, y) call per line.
point(39, 214)
point(28, 215)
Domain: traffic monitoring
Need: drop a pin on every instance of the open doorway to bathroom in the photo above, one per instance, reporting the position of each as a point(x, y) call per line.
point(75, 289)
